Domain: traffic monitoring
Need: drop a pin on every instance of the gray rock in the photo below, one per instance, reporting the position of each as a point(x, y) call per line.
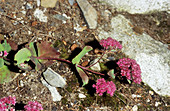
point(1, 10)
point(139, 6)
point(48, 3)
point(59, 17)
point(53, 78)
point(89, 12)
point(80, 95)
point(151, 55)
point(54, 93)
point(39, 14)
point(71, 2)
point(28, 6)
point(95, 67)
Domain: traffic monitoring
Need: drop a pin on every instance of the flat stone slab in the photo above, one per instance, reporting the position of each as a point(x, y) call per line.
point(53, 78)
point(89, 13)
point(139, 6)
point(54, 93)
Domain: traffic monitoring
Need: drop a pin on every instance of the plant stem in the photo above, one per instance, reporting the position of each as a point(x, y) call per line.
point(84, 68)
point(97, 60)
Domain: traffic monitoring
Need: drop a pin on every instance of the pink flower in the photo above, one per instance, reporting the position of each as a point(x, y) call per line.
point(33, 106)
point(103, 86)
point(5, 103)
point(130, 69)
point(8, 100)
point(110, 43)
point(3, 106)
point(5, 53)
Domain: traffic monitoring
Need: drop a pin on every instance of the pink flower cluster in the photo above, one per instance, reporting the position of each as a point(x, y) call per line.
point(6, 102)
point(103, 86)
point(33, 106)
point(110, 43)
point(3, 53)
point(130, 69)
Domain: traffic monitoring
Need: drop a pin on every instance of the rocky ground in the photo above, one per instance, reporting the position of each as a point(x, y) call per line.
point(66, 26)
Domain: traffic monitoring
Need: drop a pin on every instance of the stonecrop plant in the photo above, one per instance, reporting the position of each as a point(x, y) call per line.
point(43, 53)
point(8, 103)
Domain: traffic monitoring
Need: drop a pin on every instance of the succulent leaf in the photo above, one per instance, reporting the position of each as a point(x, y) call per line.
point(111, 73)
point(6, 46)
point(22, 56)
point(77, 59)
point(5, 74)
point(83, 75)
point(46, 50)
point(1, 62)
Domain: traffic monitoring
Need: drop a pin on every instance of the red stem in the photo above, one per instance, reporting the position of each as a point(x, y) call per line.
point(97, 60)
point(84, 68)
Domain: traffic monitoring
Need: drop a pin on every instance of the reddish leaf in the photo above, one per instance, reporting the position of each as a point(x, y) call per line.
point(46, 50)
point(83, 75)
point(13, 45)
point(111, 73)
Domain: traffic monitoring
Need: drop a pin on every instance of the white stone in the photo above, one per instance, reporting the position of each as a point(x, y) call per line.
point(21, 83)
point(135, 108)
point(136, 96)
point(81, 95)
point(151, 92)
point(151, 55)
point(139, 6)
point(38, 3)
point(48, 3)
point(96, 66)
point(40, 15)
point(89, 12)
point(54, 78)
point(157, 104)
point(54, 93)
point(148, 100)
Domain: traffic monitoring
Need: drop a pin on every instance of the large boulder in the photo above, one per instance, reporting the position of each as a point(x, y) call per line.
point(139, 6)
point(151, 55)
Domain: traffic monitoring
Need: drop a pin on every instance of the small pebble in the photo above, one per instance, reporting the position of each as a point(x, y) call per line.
point(134, 96)
point(148, 100)
point(21, 83)
point(28, 6)
point(157, 103)
point(135, 108)
point(151, 92)
point(81, 95)
point(24, 74)
point(71, 2)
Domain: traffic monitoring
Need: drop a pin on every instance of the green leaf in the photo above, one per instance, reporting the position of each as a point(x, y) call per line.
point(5, 75)
point(6, 46)
point(111, 73)
point(34, 60)
point(1, 62)
point(22, 56)
point(77, 59)
point(1, 47)
point(83, 75)
point(129, 81)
